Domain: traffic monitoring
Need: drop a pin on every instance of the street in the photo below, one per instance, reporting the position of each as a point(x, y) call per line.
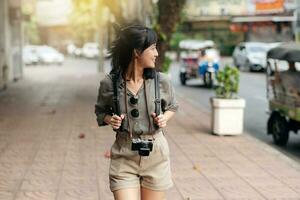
point(253, 89)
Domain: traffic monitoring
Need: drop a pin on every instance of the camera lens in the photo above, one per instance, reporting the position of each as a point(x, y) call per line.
point(144, 151)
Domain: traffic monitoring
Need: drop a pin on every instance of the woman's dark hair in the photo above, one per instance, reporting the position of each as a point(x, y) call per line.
point(129, 38)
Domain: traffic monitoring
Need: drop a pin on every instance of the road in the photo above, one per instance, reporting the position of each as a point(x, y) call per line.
point(253, 89)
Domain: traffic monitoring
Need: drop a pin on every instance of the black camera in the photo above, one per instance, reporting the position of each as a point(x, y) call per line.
point(144, 147)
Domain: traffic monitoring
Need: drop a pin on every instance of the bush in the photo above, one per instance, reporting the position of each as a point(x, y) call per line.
point(228, 82)
point(166, 64)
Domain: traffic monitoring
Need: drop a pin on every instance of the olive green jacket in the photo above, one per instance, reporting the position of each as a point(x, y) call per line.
point(141, 124)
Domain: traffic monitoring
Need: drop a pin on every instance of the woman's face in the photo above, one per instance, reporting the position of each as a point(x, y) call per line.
point(148, 57)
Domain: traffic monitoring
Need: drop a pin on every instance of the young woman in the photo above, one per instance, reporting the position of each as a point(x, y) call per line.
point(140, 164)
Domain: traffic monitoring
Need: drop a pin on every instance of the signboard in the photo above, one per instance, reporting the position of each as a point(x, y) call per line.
point(269, 6)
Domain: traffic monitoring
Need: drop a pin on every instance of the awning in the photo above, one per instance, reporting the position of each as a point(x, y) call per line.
point(267, 18)
point(286, 51)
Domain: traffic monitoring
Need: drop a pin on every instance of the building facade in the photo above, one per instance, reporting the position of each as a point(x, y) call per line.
point(11, 65)
point(240, 20)
point(53, 22)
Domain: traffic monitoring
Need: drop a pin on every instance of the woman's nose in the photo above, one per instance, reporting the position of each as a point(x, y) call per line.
point(156, 53)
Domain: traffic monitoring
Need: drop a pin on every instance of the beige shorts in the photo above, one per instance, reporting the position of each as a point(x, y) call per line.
point(129, 170)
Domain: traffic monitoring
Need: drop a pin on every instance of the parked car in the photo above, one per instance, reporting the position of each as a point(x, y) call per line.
point(251, 55)
point(71, 49)
point(30, 56)
point(49, 55)
point(78, 52)
point(90, 50)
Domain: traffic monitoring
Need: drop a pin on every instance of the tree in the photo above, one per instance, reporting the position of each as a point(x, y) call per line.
point(169, 16)
point(31, 34)
point(116, 10)
point(86, 18)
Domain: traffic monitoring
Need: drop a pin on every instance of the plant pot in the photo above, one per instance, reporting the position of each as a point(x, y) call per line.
point(227, 116)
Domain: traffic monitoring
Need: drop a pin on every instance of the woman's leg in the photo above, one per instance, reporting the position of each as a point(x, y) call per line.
point(128, 193)
point(148, 194)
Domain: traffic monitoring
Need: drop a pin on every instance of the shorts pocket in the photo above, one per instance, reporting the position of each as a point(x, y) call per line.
point(115, 149)
point(164, 147)
point(116, 159)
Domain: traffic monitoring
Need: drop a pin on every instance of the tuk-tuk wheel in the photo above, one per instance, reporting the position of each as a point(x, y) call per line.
point(278, 127)
point(183, 78)
point(208, 80)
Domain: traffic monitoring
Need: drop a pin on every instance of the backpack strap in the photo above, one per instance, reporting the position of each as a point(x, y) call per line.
point(116, 98)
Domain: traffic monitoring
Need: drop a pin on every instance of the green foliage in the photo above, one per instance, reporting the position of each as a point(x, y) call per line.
point(162, 36)
point(228, 82)
point(85, 19)
point(225, 40)
point(31, 32)
point(166, 64)
point(198, 36)
point(176, 38)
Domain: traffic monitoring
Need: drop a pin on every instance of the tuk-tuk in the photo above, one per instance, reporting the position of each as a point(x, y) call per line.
point(283, 92)
point(199, 59)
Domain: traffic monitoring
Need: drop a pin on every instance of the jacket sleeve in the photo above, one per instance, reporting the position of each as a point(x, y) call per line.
point(169, 101)
point(104, 100)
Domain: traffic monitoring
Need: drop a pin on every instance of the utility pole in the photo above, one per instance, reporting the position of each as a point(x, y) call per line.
point(100, 39)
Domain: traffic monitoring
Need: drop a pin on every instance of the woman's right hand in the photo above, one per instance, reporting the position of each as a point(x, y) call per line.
point(116, 121)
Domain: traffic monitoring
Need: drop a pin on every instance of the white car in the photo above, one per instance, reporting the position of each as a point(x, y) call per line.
point(71, 49)
point(49, 55)
point(251, 55)
point(90, 50)
point(30, 56)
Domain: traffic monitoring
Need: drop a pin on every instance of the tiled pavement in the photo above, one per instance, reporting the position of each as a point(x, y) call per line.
point(42, 156)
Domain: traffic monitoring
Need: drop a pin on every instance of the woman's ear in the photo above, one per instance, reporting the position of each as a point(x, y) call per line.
point(135, 53)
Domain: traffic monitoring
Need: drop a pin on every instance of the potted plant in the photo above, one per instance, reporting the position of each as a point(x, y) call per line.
point(227, 108)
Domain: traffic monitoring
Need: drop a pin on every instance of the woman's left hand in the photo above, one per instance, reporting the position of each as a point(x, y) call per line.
point(160, 120)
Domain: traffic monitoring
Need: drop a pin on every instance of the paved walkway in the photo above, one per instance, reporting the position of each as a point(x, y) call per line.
point(42, 156)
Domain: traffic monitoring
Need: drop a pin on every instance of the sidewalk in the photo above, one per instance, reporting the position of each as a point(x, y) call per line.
point(42, 156)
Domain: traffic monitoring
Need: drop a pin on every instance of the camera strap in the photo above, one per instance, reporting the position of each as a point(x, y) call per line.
point(116, 106)
point(157, 94)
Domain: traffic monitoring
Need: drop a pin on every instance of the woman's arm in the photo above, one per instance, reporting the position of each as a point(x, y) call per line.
point(162, 119)
point(115, 121)
point(168, 115)
point(107, 119)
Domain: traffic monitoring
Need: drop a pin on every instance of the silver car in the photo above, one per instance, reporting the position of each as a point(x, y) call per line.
point(30, 56)
point(251, 56)
point(49, 55)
